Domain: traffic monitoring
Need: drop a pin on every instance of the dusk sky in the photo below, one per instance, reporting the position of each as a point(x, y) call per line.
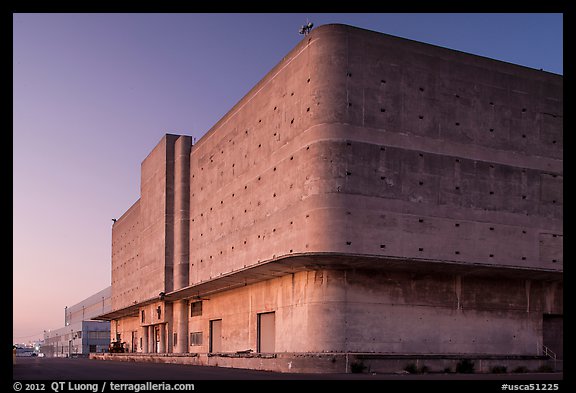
point(94, 93)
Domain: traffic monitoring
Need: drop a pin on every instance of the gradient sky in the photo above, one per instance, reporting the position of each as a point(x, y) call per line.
point(94, 93)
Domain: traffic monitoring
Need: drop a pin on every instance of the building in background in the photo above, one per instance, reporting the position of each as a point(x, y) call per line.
point(372, 201)
point(81, 334)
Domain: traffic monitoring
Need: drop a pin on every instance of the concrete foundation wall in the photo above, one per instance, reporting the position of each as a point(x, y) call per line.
point(336, 363)
point(448, 314)
point(372, 312)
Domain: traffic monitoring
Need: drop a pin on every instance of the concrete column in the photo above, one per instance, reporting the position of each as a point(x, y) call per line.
point(151, 339)
point(169, 326)
point(144, 339)
point(162, 346)
point(181, 325)
point(182, 148)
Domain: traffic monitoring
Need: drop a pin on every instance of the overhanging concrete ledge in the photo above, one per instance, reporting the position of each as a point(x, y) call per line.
point(292, 263)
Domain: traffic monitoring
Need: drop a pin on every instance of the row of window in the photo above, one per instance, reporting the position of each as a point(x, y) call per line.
point(195, 311)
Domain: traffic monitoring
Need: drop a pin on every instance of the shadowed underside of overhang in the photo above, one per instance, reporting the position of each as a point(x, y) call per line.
point(294, 263)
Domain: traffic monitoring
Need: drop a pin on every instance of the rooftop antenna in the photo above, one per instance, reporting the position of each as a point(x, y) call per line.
point(305, 29)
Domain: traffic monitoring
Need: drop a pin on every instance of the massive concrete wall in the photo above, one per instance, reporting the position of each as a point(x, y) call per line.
point(362, 143)
point(359, 148)
point(126, 254)
point(441, 155)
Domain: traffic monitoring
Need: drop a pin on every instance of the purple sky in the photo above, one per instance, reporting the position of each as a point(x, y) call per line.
point(94, 93)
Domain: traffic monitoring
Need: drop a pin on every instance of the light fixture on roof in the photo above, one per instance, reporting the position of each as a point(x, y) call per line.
point(305, 29)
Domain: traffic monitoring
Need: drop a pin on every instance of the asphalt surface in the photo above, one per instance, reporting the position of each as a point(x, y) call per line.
point(64, 369)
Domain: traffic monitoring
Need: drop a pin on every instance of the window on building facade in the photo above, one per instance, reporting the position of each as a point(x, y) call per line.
point(143, 316)
point(159, 312)
point(196, 309)
point(195, 338)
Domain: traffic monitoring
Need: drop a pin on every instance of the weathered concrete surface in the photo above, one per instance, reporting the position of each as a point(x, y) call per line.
point(424, 173)
point(333, 363)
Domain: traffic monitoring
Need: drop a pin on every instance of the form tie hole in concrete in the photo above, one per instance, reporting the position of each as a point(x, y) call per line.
point(421, 249)
point(348, 243)
point(382, 110)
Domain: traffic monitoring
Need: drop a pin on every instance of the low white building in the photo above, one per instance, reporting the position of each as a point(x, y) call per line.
point(81, 335)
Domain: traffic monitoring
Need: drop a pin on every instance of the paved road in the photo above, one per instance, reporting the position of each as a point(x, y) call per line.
point(54, 369)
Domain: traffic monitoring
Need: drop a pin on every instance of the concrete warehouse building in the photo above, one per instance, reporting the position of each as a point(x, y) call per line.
point(372, 201)
point(81, 334)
